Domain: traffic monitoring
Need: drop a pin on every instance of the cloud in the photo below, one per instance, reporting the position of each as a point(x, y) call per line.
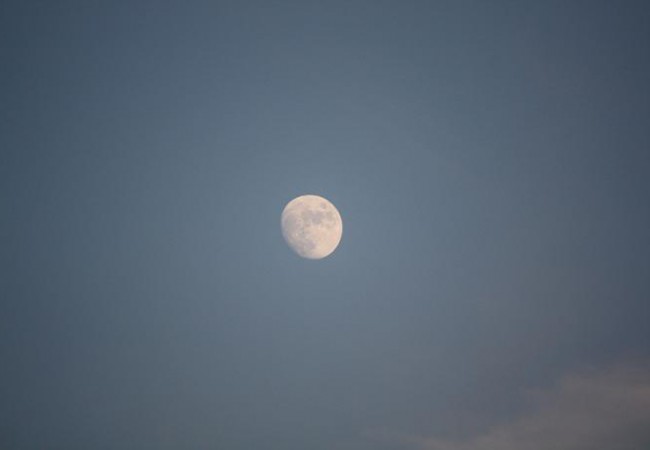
point(606, 409)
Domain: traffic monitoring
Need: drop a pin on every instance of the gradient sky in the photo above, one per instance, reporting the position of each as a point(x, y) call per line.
point(490, 160)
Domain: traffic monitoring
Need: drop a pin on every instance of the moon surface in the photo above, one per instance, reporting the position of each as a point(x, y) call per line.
point(312, 226)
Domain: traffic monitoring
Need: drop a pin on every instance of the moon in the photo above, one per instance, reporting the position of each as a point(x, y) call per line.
point(312, 226)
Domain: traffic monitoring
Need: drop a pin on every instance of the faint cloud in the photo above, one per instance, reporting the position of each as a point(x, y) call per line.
point(605, 409)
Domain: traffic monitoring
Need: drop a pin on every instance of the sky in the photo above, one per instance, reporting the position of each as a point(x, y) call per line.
point(491, 164)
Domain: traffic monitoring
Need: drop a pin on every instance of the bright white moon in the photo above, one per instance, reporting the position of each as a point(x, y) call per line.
point(312, 226)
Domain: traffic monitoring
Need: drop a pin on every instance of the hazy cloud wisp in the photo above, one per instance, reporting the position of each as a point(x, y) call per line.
point(603, 409)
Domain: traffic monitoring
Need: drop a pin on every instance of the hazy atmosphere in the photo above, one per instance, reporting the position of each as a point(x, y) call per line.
point(491, 165)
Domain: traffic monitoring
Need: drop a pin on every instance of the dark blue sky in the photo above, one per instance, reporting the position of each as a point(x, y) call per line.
point(491, 164)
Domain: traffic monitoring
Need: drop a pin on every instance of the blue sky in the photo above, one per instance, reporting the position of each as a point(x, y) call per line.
point(490, 163)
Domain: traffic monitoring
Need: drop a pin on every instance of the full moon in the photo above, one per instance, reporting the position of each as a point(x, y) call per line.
point(312, 226)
